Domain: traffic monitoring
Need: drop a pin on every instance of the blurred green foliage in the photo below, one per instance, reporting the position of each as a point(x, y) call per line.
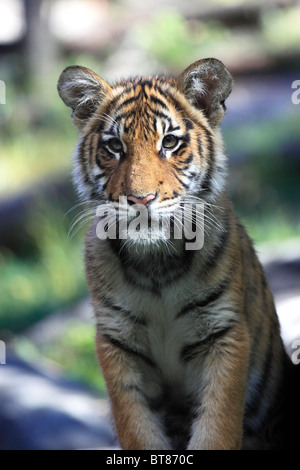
point(31, 157)
point(265, 184)
point(73, 351)
point(37, 138)
point(174, 43)
point(280, 29)
point(46, 280)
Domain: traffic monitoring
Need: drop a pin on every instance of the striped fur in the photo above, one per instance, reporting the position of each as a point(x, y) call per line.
point(188, 341)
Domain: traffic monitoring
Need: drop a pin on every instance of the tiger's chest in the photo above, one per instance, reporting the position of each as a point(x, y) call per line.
point(167, 338)
point(165, 323)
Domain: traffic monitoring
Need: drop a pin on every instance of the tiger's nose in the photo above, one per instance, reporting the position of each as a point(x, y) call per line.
point(146, 200)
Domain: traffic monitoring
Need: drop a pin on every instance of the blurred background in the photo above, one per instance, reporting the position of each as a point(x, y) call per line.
point(45, 317)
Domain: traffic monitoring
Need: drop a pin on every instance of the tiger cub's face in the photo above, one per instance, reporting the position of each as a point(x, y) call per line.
point(153, 141)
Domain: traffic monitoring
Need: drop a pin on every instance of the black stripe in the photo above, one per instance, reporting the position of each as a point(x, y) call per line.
point(82, 157)
point(101, 143)
point(219, 249)
point(254, 405)
point(190, 351)
point(186, 138)
point(172, 128)
point(215, 295)
point(130, 100)
point(113, 102)
point(125, 114)
point(155, 124)
point(189, 125)
point(148, 116)
point(206, 183)
point(200, 149)
point(133, 113)
point(146, 82)
point(109, 303)
point(130, 113)
point(166, 95)
point(100, 128)
point(106, 184)
point(111, 130)
point(180, 181)
point(159, 114)
point(99, 163)
point(170, 98)
point(109, 133)
point(97, 177)
point(192, 175)
point(129, 123)
point(188, 160)
point(260, 324)
point(132, 388)
point(181, 147)
point(158, 101)
point(121, 345)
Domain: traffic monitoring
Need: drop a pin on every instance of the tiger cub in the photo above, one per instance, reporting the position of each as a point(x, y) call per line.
point(187, 336)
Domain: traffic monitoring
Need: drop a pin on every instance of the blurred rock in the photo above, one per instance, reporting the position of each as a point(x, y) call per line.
point(288, 310)
point(40, 410)
point(281, 263)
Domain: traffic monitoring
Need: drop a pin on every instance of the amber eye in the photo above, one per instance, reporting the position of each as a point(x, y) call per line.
point(115, 145)
point(170, 141)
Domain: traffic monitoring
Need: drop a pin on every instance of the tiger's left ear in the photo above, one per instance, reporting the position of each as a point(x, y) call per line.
point(83, 91)
point(206, 84)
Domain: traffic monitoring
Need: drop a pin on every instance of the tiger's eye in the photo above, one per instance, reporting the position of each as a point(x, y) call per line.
point(115, 144)
point(169, 141)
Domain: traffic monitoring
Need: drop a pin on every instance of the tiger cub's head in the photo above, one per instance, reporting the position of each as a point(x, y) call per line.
point(155, 140)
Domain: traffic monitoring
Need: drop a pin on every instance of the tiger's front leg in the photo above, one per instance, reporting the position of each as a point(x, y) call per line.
point(219, 421)
point(137, 427)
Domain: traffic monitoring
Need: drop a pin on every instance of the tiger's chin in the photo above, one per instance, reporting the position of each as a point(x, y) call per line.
point(154, 230)
point(143, 246)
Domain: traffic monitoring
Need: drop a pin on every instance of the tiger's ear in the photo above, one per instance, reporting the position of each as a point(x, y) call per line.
point(206, 84)
point(82, 90)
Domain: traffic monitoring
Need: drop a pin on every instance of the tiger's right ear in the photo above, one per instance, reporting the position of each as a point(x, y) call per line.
point(207, 84)
point(82, 90)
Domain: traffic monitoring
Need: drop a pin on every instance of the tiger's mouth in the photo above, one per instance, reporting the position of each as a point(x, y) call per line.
point(157, 209)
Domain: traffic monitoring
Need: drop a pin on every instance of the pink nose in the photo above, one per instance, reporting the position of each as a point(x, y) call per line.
point(141, 200)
